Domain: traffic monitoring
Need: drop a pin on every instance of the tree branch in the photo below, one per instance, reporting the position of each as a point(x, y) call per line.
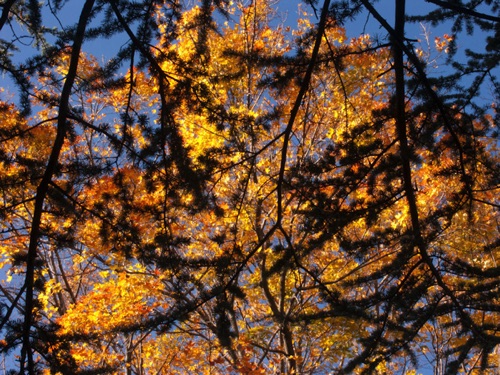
point(5, 13)
point(464, 10)
point(298, 101)
point(26, 351)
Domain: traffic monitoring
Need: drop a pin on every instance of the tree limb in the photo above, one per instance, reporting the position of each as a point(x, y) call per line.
point(26, 360)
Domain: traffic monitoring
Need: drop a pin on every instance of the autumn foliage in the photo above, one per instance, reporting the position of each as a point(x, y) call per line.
point(236, 193)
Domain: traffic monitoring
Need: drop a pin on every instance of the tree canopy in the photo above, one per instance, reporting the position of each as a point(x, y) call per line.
point(230, 189)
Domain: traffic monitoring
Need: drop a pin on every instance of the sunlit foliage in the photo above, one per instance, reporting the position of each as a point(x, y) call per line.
point(238, 193)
